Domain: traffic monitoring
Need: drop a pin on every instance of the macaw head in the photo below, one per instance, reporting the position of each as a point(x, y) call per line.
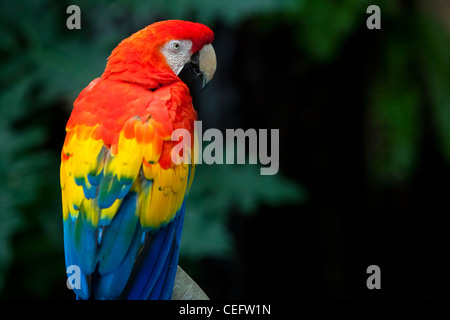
point(164, 52)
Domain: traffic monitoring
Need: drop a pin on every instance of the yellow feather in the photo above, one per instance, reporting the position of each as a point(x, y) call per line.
point(108, 213)
point(151, 170)
point(129, 158)
point(165, 197)
point(90, 211)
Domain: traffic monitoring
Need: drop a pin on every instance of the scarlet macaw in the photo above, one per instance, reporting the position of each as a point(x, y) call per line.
point(123, 197)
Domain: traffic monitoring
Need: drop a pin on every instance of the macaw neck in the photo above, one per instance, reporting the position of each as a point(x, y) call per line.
point(135, 62)
point(148, 77)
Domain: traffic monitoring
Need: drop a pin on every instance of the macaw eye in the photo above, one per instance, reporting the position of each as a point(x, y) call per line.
point(175, 45)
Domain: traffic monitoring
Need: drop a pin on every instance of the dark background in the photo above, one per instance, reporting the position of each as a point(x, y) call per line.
point(364, 120)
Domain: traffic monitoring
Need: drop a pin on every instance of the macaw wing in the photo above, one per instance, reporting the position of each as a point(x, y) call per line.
point(123, 206)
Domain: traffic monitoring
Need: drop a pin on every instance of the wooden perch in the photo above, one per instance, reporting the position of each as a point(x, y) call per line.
point(186, 289)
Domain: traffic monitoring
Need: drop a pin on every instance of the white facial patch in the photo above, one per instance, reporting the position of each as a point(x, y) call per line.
point(177, 53)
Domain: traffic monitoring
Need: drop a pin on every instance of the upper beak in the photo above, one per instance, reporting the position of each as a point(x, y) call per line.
point(207, 63)
point(202, 64)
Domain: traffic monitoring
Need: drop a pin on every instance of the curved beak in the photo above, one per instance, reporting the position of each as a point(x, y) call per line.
point(207, 63)
point(202, 64)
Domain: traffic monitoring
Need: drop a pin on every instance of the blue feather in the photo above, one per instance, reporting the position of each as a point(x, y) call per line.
point(95, 180)
point(118, 235)
point(155, 293)
point(157, 268)
point(166, 293)
point(155, 247)
point(72, 259)
point(112, 285)
point(109, 190)
point(90, 192)
point(164, 289)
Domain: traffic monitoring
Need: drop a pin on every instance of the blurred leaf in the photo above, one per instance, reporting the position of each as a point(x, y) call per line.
point(435, 52)
point(396, 115)
point(324, 24)
point(395, 128)
point(217, 191)
point(230, 12)
point(25, 165)
point(10, 222)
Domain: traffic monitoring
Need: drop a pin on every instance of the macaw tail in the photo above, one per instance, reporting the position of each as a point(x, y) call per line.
point(121, 260)
point(155, 271)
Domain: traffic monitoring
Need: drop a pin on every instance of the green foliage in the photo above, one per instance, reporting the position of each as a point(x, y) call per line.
point(395, 129)
point(435, 53)
point(414, 68)
point(230, 12)
point(28, 171)
point(220, 189)
point(323, 25)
